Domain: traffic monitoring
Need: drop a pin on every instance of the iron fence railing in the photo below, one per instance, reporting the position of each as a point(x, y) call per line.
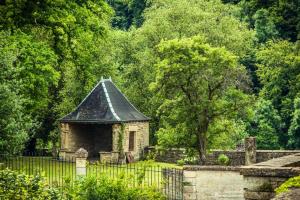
point(56, 171)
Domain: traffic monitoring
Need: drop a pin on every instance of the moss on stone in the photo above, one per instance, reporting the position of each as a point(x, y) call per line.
point(290, 183)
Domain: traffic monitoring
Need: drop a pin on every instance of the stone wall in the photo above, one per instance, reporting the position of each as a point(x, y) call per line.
point(168, 156)
point(237, 158)
point(261, 179)
point(212, 183)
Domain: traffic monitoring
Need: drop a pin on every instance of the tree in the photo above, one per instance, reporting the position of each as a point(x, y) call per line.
point(28, 70)
point(164, 20)
point(266, 125)
point(203, 82)
point(294, 129)
point(284, 14)
point(279, 72)
point(264, 26)
point(73, 32)
point(128, 13)
point(14, 124)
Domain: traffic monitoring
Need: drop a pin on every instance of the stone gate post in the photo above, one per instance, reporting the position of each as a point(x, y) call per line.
point(81, 157)
point(250, 150)
point(189, 185)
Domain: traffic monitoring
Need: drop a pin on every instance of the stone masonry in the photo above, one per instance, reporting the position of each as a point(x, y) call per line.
point(141, 137)
point(263, 178)
point(71, 140)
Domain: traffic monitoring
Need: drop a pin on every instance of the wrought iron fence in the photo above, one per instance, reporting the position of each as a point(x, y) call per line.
point(55, 171)
point(143, 174)
point(168, 180)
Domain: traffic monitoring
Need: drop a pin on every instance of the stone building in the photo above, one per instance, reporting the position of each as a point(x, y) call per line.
point(106, 124)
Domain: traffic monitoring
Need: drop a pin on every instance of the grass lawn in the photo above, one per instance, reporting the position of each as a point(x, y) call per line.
point(56, 172)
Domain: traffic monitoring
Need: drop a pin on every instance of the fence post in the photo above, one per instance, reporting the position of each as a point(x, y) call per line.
point(250, 150)
point(81, 157)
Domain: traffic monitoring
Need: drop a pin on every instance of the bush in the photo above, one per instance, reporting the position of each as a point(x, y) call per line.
point(103, 188)
point(292, 182)
point(14, 185)
point(180, 162)
point(223, 159)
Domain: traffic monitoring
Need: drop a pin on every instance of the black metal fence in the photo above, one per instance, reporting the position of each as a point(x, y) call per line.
point(168, 180)
point(55, 171)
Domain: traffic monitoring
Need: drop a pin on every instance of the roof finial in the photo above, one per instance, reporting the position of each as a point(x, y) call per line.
point(110, 78)
point(101, 78)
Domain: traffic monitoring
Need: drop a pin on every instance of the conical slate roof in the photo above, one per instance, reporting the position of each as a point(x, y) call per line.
point(105, 104)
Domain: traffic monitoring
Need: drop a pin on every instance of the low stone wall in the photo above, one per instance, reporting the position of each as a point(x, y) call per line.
point(237, 158)
point(261, 179)
point(212, 183)
point(168, 156)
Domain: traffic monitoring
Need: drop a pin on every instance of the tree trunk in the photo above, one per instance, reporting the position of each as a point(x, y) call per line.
point(202, 137)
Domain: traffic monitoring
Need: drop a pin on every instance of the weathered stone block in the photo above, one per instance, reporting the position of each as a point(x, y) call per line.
point(258, 195)
point(189, 196)
point(189, 189)
point(189, 174)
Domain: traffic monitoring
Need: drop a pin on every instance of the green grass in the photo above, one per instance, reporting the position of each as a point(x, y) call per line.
point(148, 173)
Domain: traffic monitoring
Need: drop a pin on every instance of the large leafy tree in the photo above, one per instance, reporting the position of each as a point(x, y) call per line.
point(164, 20)
point(14, 123)
point(28, 71)
point(284, 14)
point(266, 125)
point(279, 74)
point(74, 33)
point(203, 84)
point(128, 13)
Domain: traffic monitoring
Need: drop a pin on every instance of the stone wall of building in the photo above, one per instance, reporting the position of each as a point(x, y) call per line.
point(212, 183)
point(75, 136)
point(141, 138)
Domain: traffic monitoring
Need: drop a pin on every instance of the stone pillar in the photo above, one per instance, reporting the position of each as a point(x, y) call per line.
point(189, 185)
point(81, 156)
point(250, 150)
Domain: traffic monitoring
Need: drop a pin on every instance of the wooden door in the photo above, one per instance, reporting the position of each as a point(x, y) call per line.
point(131, 140)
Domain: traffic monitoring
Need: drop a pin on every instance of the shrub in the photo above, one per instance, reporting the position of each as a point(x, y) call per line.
point(292, 182)
point(180, 162)
point(14, 185)
point(103, 188)
point(223, 159)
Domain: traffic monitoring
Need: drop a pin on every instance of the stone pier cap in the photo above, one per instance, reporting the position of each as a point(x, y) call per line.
point(81, 153)
point(287, 166)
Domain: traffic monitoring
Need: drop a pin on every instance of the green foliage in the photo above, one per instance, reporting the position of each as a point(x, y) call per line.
point(52, 53)
point(284, 14)
point(14, 124)
point(266, 125)
point(104, 188)
point(128, 13)
point(264, 26)
point(203, 83)
point(223, 159)
point(279, 73)
point(290, 183)
point(24, 187)
point(294, 129)
point(180, 162)
point(121, 139)
point(165, 20)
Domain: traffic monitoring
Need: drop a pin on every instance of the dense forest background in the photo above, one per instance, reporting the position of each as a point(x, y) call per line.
point(207, 72)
